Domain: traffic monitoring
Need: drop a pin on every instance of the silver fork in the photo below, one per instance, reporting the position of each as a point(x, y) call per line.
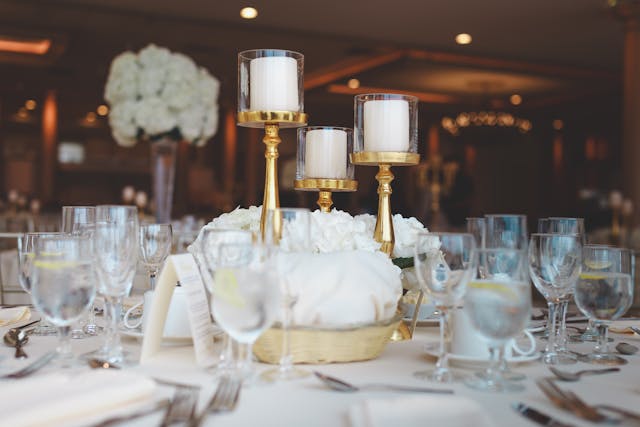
point(567, 400)
point(33, 367)
point(182, 407)
point(224, 399)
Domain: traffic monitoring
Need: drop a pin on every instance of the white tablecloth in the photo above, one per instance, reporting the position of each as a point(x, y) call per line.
point(308, 402)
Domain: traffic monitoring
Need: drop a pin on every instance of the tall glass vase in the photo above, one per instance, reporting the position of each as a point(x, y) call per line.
point(163, 165)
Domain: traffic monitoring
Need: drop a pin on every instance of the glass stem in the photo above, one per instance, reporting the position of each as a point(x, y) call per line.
point(496, 355)
point(602, 346)
point(64, 343)
point(285, 364)
point(445, 340)
point(113, 346)
point(152, 279)
point(561, 343)
point(552, 327)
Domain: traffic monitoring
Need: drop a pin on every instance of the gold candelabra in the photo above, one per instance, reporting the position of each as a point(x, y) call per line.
point(385, 160)
point(325, 187)
point(271, 121)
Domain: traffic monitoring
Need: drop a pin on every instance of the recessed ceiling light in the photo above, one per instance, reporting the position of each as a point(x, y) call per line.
point(248, 12)
point(30, 104)
point(557, 124)
point(463, 38)
point(515, 99)
point(102, 110)
point(353, 83)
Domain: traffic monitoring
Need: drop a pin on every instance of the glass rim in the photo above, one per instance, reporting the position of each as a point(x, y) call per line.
point(557, 234)
point(563, 217)
point(328, 127)
point(443, 233)
point(383, 95)
point(606, 248)
point(505, 215)
point(245, 54)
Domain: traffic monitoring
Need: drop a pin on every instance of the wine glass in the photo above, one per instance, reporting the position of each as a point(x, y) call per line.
point(81, 220)
point(444, 263)
point(115, 244)
point(63, 284)
point(207, 260)
point(26, 255)
point(604, 292)
point(290, 230)
point(506, 231)
point(477, 227)
point(246, 295)
point(554, 266)
point(155, 245)
point(498, 303)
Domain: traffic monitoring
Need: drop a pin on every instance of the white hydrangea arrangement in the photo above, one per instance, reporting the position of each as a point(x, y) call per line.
point(158, 93)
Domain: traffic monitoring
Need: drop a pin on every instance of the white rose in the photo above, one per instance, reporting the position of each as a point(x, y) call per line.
point(154, 117)
point(406, 231)
point(190, 122)
point(151, 80)
point(121, 119)
point(178, 94)
point(153, 56)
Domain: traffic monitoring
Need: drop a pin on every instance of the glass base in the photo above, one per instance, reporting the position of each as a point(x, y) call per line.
point(604, 359)
point(559, 358)
point(123, 360)
point(497, 385)
point(87, 331)
point(507, 374)
point(444, 376)
point(45, 330)
point(278, 374)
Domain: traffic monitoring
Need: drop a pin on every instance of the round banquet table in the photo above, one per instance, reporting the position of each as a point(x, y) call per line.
point(307, 402)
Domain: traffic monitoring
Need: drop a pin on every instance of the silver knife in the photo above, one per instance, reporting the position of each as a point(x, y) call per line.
point(537, 416)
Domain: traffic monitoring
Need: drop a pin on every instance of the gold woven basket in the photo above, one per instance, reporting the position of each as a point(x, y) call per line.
point(318, 346)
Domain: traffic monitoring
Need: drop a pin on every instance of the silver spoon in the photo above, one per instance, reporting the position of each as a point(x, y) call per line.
point(626, 348)
point(341, 385)
point(575, 376)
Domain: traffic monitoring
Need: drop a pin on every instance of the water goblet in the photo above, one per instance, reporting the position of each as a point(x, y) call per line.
point(207, 260)
point(477, 228)
point(246, 296)
point(604, 292)
point(444, 263)
point(26, 255)
point(81, 220)
point(506, 231)
point(498, 303)
point(554, 266)
point(155, 245)
point(63, 285)
point(115, 245)
point(290, 230)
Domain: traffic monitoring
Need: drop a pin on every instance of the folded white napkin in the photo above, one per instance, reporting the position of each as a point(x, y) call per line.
point(9, 316)
point(341, 288)
point(63, 400)
point(418, 411)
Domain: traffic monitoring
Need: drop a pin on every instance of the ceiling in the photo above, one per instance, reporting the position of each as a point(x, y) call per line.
point(549, 51)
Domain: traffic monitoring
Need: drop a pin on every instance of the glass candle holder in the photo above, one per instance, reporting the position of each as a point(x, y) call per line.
point(386, 122)
point(323, 152)
point(270, 80)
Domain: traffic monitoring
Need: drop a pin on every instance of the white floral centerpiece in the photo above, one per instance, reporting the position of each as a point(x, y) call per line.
point(157, 93)
point(346, 279)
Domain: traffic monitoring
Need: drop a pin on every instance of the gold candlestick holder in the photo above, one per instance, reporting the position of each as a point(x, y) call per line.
point(271, 121)
point(385, 160)
point(325, 187)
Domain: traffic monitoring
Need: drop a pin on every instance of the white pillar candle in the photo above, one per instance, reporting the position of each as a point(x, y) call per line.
point(325, 154)
point(274, 84)
point(386, 125)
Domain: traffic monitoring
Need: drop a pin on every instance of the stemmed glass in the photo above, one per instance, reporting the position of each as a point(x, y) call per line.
point(477, 228)
point(81, 221)
point(155, 245)
point(604, 292)
point(63, 285)
point(444, 263)
point(498, 304)
point(207, 260)
point(290, 230)
point(245, 296)
point(26, 255)
point(116, 247)
point(554, 266)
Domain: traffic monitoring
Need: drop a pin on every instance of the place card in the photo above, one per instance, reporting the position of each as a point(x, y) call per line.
point(181, 268)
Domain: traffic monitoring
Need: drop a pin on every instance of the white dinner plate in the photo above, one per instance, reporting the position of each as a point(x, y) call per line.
point(464, 361)
point(137, 333)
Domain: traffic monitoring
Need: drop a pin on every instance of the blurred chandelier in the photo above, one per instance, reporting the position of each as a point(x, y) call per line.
point(485, 118)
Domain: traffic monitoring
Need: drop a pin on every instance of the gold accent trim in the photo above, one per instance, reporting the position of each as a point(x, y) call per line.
point(259, 119)
point(384, 222)
point(325, 201)
point(395, 158)
point(315, 184)
point(271, 198)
